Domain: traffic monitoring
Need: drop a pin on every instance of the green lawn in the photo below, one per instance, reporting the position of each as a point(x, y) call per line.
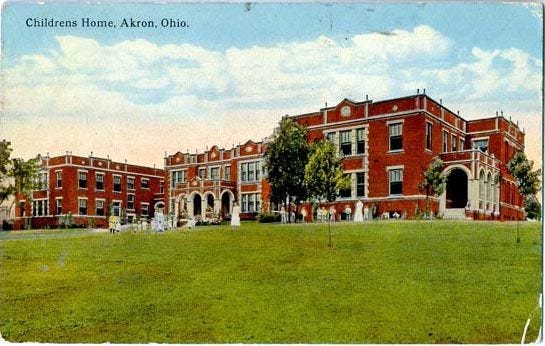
point(381, 282)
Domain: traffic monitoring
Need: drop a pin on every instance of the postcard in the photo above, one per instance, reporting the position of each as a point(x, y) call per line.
point(271, 172)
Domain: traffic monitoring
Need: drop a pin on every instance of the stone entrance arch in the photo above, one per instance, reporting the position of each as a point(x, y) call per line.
point(456, 189)
point(159, 207)
point(196, 205)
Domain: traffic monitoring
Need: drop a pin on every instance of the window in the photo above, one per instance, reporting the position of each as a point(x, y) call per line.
point(243, 172)
point(330, 137)
point(82, 206)
point(360, 144)
point(58, 206)
point(250, 171)
point(130, 202)
point(346, 193)
point(144, 209)
point(117, 183)
point(250, 203)
point(39, 207)
point(58, 176)
point(214, 173)
point(481, 144)
point(23, 208)
point(116, 208)
point(161, 186)
point(145, 183)
point(257, 170)
point(99, 207)
point(202, 173)
point(462, 144)
point(227, 173)
point(396, 181)
point(177, 177)
point(360, 184)
point(82, 180)
point(43, 181)
point(100, 182)
point(396, 136)
point(345, 142)
point(453, 142)
point(130, 183)
point(428, 135)
point(445, 141)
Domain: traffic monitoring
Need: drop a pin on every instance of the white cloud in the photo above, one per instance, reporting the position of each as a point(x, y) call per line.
point(140, 97)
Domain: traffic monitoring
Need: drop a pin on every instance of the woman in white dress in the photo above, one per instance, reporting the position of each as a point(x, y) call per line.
point(358, 216)
point(235, 215)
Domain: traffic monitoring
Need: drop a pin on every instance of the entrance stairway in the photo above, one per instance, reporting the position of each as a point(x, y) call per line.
point(455, 214)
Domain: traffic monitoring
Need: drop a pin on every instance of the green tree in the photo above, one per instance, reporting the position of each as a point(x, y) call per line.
point(324, 175)
point(532, 207)
point(527, 180)
point(25, 177)
point(17, 175)
point(434, 182)
point(285, 160)
point(6, 186)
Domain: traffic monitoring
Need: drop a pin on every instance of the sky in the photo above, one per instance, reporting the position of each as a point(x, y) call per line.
point(235, 69)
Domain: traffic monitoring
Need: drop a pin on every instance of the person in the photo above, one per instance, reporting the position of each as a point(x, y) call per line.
point(160, 221)
point(332, 213)
point(111, 223)
point(324, 214)
point(235, 217)
point(366, 215)
point(118, 226)
point(304, 214)
point(283, 218)
point(358, 216)
point(191, 223)
point(348, 212)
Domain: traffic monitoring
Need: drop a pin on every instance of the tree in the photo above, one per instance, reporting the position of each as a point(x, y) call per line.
point(324, 175)
point(527, 180)
point(434, 181)
point(285, 160)
point(17, 175)
point(6, 186)
point(532, 207)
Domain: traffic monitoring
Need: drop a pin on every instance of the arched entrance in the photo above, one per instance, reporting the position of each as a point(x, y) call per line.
point(456, 189)
point(227, 198)
point(210, 202)
point(197, 204)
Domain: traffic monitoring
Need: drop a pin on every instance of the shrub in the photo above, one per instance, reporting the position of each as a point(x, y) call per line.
point(268, 218)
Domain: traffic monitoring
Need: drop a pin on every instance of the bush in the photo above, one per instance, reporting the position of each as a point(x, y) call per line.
point(7, 226)
point(268, 218)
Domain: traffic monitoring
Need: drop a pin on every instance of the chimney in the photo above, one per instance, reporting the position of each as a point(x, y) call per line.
point(417, 91)
point(424, 92)
point(366, 97)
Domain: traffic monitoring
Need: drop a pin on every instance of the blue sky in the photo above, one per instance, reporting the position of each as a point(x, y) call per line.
point(236, 70)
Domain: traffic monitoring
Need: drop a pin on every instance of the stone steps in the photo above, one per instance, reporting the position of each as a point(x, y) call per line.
point(455, 214)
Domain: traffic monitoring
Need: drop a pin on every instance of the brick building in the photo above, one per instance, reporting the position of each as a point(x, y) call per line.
point(90, 188)
point(386, 146)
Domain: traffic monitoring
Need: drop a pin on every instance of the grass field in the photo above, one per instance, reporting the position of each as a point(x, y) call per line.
point(383, 282)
